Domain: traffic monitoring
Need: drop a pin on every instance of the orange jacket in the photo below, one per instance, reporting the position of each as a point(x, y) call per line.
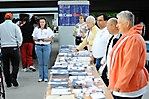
point(127, 64)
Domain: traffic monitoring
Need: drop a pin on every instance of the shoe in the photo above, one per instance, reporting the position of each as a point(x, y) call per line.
point(32, 68)
point(24, 70)
point(45, 80)
point(8, 85)
point(14, 82)
point(39, 80)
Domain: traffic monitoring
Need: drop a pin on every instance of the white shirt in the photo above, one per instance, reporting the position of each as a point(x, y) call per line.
point(109, 50)
point(78, 31)
point(99, 43)
point(42, 34)
point(144, 28)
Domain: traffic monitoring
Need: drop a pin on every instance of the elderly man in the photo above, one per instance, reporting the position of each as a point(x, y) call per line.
point(100, 41)
point(93, 29)
point(111, 26)
point(128, 76)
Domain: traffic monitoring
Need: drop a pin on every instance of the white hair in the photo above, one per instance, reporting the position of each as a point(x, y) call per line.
point(91, 19)
point(126, 16)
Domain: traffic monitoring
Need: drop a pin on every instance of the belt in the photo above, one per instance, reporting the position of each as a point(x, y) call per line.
point(41, 44)
point(8, 47)
point(99, 58)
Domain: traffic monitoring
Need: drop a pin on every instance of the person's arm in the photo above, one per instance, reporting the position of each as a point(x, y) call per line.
point(103, 60)
point(51, 36)
point(18, 35)
point(75, 31)
point(132, 55)
point(34, 35)
point(82, 45)
point(92, 60)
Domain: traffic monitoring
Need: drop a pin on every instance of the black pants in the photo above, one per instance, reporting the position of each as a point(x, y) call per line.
point(10, 54)
point(33, 53)
point(117, 97)
point(78, 40)
point(104, 76)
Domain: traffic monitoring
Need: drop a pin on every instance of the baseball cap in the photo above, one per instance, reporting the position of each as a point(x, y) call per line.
point(8, 16)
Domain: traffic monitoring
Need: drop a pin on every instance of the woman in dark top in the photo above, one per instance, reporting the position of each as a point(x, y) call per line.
point(27, 45)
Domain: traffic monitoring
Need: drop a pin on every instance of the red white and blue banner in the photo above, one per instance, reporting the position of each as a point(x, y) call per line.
point(68, 13)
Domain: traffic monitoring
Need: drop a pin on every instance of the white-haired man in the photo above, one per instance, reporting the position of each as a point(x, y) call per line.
point(93, 30)
point(128, 76)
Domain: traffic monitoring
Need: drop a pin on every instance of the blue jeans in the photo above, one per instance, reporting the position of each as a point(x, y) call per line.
point(98, 63)
point(43, 56)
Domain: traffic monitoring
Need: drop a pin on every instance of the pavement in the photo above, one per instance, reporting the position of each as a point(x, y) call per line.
point(30, 88)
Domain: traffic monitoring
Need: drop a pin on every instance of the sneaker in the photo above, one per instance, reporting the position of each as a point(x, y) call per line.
point(8, 85)
point(24, 70)
point(32, 68)
point(14, 82)
point(45, 80)
point(39, 80)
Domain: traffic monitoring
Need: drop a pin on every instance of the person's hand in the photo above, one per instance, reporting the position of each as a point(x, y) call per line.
point(47, 39)
point(75, 51)
point(108, 87)
point(92, 61)
point(51, 38)
point(74, 35)
point(116, 89)
point(82, 35)
point(102, 64)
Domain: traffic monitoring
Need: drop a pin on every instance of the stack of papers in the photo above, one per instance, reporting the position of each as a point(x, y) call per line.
point(59, 74)
point(60, 67)
point(61, 91)
point(98, 95)
point(81, 59)
point(76, 69)
point(60, 97)
point(58, 83)
point(62, 54)
point(78, 73)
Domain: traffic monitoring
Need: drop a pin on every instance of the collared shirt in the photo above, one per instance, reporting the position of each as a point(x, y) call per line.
point(99, 43)
point(80, 28)
point(116, 36)
point(42, 34)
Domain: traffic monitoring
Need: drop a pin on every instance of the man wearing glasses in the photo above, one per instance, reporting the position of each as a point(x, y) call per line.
point(100, 41)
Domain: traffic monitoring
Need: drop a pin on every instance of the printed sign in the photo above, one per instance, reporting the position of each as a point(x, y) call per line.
point(68, 14)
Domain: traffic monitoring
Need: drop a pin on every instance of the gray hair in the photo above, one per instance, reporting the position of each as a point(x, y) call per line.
point(127, 16)
point(113, 21)
point(91, 19)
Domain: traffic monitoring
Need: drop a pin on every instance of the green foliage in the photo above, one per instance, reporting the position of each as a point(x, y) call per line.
point(109, 14)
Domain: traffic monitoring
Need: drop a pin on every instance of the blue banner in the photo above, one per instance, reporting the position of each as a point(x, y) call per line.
point(68, 14)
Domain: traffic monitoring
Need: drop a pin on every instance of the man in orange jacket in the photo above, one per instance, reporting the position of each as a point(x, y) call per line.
point(128, 76)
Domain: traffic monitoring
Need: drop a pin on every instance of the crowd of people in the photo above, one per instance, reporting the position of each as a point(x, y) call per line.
point(118, 50)
point(29, 38)
point(116, 47)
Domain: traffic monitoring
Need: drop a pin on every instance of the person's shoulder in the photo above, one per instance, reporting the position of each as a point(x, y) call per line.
point(36, 28)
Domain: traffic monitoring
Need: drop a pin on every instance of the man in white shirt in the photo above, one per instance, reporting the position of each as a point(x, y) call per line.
point(111, 26)
point(100, 41)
